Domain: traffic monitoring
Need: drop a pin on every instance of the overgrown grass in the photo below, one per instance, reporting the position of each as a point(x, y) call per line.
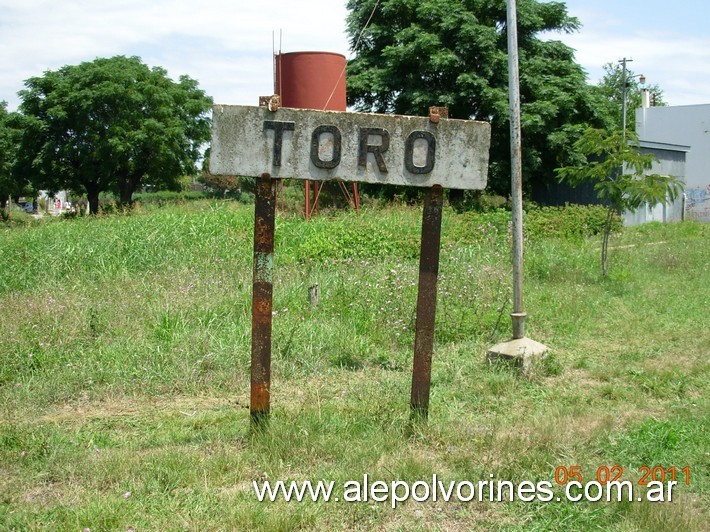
point(124, 370)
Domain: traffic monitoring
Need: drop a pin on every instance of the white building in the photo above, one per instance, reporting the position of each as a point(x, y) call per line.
point(671, 160)
point(55, 203)
point(687, 127)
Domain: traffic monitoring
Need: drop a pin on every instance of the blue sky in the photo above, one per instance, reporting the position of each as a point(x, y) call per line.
point(669, 43)
point(226, 44)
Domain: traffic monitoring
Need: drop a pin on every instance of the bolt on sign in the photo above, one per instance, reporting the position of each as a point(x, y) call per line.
point(431, 152)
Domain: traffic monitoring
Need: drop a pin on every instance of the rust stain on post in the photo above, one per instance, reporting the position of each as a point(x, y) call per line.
point(264, 220)
point(426, 301)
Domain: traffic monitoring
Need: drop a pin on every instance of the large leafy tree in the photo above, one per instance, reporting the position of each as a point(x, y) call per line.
point(111, 124)
point(417, 53)
point(5, 154)
point(10, 131)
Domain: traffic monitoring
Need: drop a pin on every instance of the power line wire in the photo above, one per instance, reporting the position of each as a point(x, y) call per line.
point(357, 42)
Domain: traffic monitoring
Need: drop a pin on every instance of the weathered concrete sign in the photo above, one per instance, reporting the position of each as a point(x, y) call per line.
point(370, 148)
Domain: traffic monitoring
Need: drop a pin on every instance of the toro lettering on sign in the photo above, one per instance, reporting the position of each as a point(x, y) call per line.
point(370, 148)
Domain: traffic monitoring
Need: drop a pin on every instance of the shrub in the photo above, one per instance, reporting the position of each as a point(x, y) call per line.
point(15, 217)
point(484, 202)
point(164, 197)
point(570, 221)
point(347, 235)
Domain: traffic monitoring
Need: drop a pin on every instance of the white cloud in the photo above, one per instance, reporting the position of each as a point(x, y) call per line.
point(677, 64)
point(40, 35)
point(226, 45)
point(668, 43)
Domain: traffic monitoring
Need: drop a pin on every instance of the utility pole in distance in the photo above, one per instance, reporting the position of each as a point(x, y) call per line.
point(623, 94)
point(625, 90)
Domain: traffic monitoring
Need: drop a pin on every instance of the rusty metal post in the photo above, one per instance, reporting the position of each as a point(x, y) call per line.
point(426, 301)
point(261, 315)
point(356, 197)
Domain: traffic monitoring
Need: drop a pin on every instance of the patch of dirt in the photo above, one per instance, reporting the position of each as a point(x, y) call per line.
point(80, 411)
point(43, 494)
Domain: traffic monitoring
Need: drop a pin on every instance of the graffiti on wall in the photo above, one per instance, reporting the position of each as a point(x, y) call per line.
point(697, 203)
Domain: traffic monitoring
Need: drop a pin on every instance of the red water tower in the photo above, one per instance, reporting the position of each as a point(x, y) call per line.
point(313, 80)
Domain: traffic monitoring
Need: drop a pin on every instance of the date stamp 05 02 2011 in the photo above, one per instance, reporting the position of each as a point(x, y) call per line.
point(605, 474)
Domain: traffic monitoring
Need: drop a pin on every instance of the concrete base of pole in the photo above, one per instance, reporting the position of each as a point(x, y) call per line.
point(521, 352)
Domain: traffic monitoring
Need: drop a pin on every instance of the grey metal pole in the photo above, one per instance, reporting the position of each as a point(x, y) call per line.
point(520, 349)
point(518, 314)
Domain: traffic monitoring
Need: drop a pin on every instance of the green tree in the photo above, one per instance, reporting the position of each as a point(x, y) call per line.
point(224, 184)
point(610, 89)
point(620, 174)
point(6, 151)
point(418, 53)
point(111, 124)
point(10, 131)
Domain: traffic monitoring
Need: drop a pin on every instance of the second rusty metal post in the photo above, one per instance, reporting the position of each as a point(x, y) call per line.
point(426, 301)
point(261, 315)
